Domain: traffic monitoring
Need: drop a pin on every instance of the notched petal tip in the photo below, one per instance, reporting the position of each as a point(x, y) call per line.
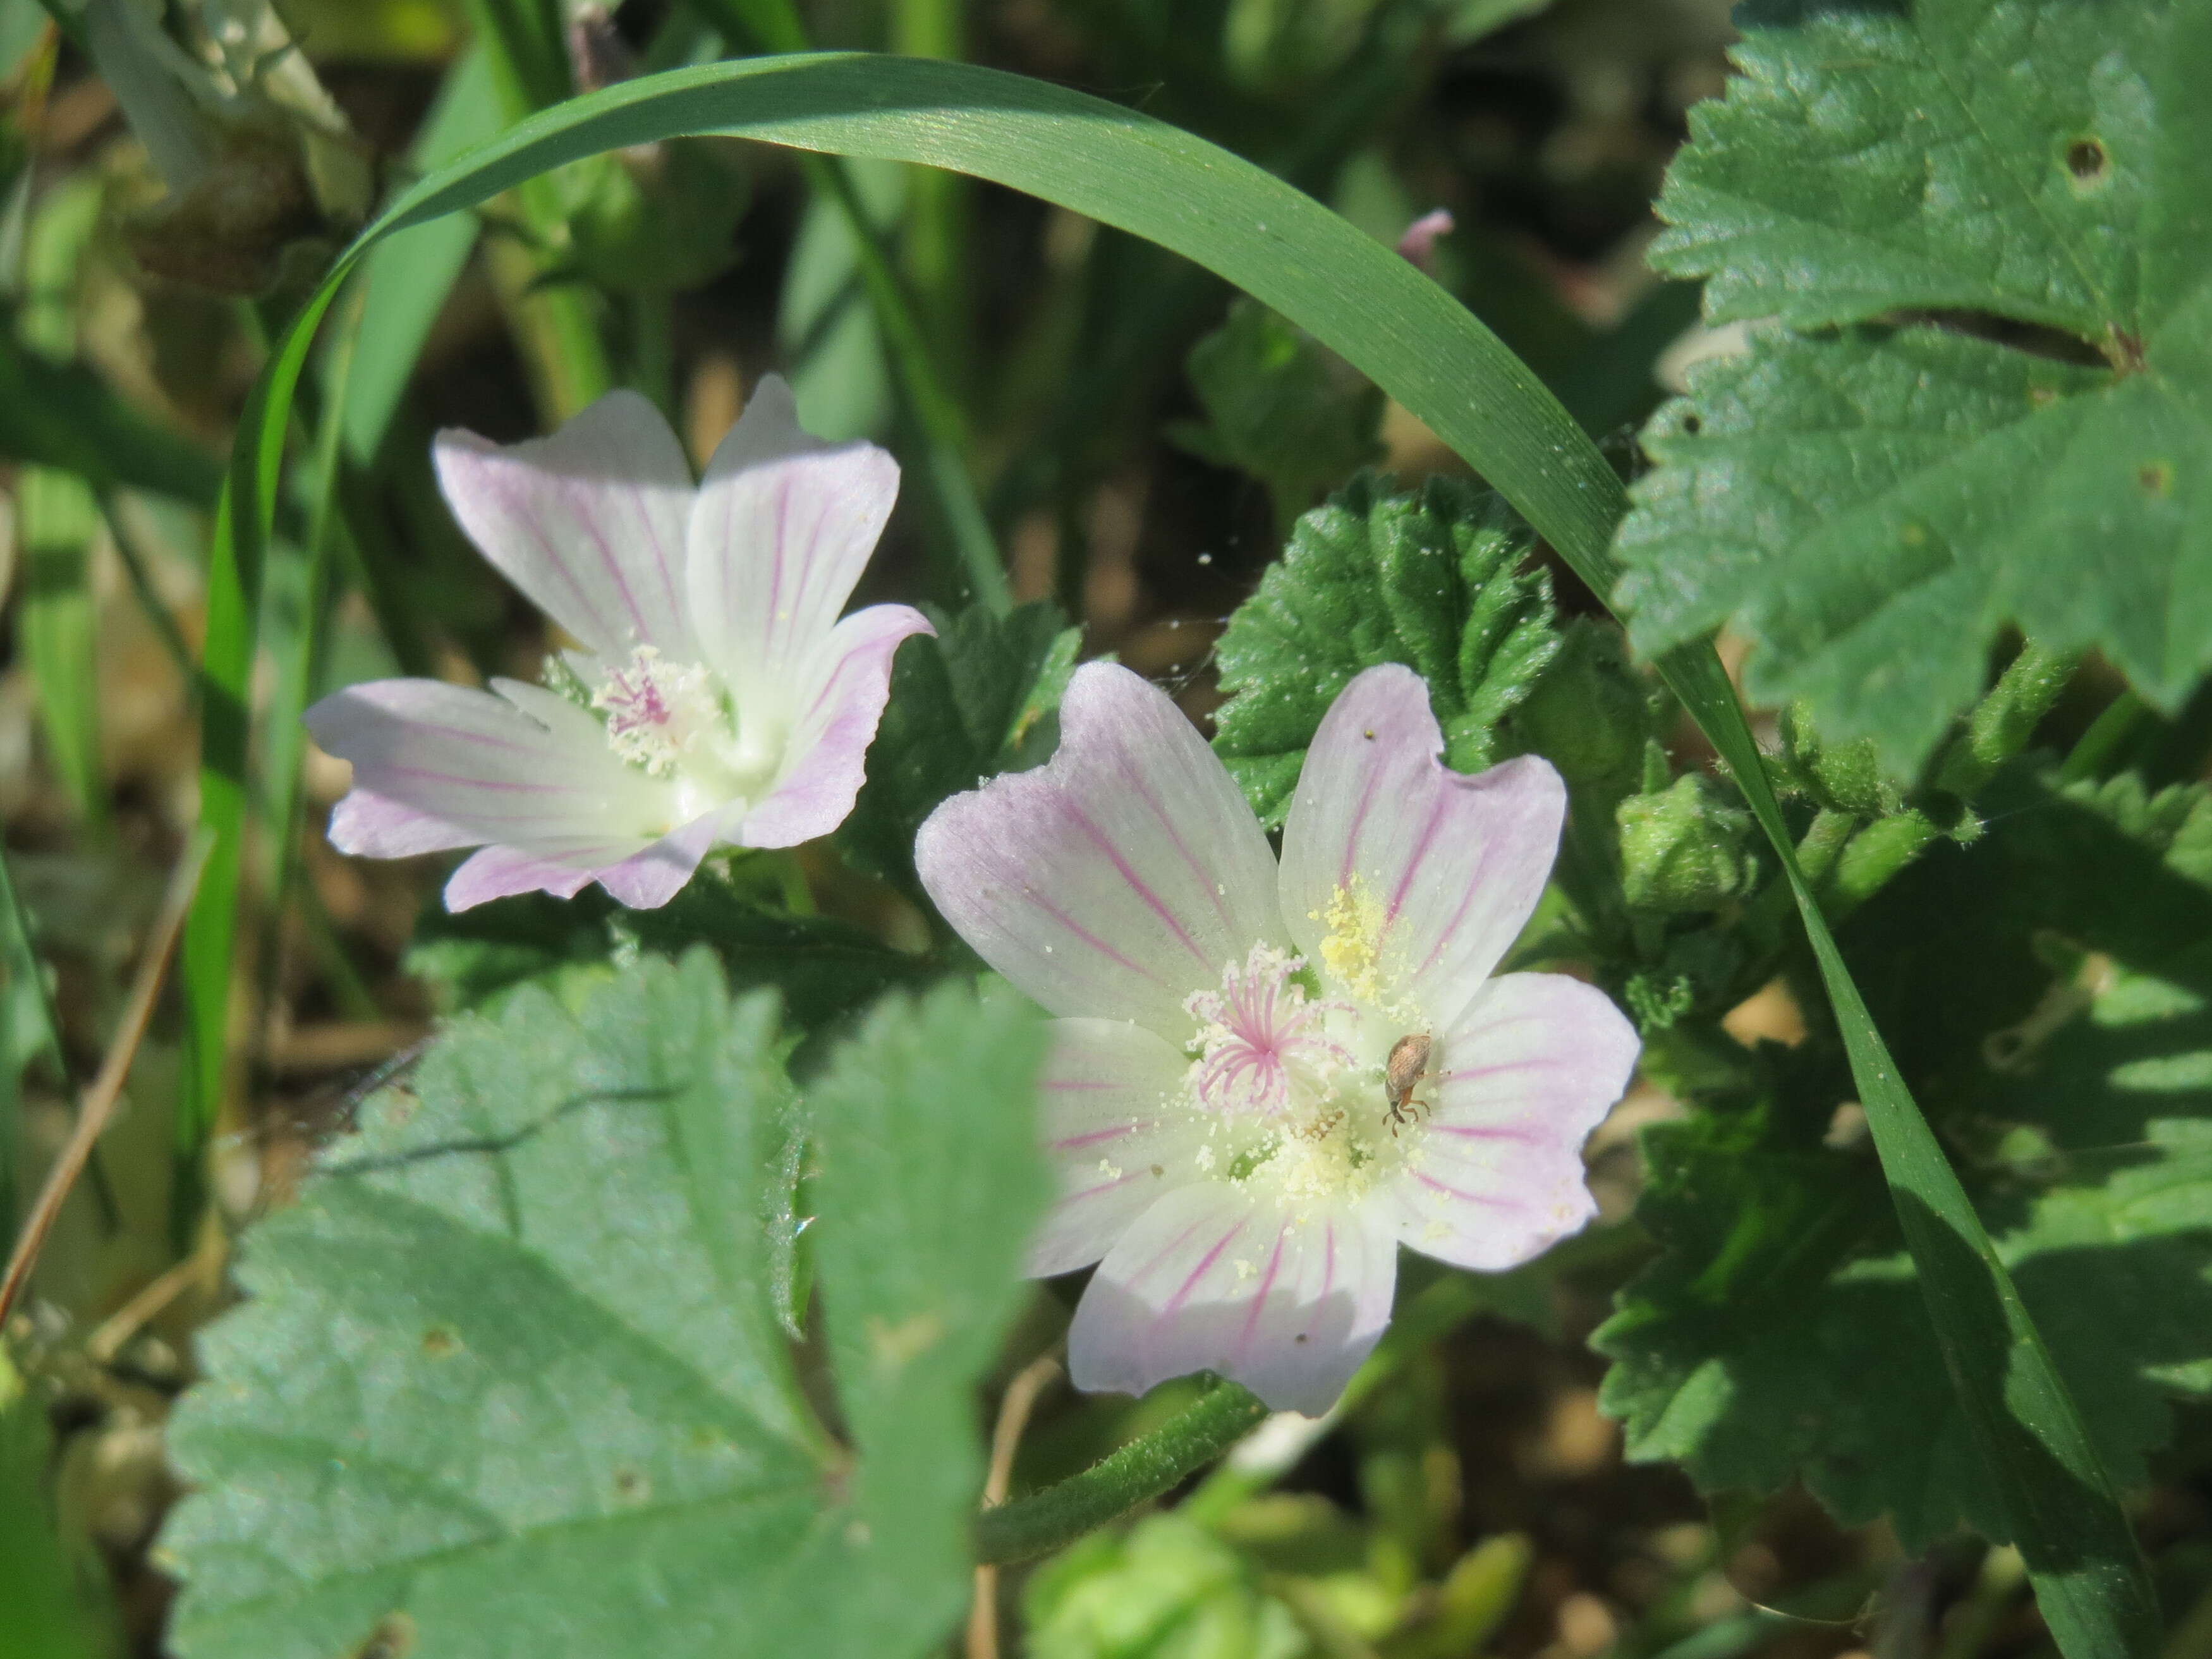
point(1454, 864)
point(1116, 879)
point(588, 522)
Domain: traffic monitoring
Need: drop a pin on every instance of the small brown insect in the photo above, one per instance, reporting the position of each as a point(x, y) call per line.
point(1402, 1073)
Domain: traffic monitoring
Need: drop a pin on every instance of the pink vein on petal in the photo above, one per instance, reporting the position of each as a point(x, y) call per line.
point(1137, 883)
point(1266, 1284)
point(1197, 1273)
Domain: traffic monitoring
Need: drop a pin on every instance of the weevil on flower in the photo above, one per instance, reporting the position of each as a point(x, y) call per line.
point(1235, 1032)
point(1402, 1073)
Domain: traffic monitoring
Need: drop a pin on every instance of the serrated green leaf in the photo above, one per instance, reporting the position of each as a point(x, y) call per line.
point(510, 1379)
point(1278, 407)
point(930, 1185)
point(1430, 577)
point(1766, 1354)
point(1783, 1335)
point(963, 707)
point(2002, 206)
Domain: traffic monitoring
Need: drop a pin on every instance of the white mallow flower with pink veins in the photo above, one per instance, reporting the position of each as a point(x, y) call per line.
point(1265, 1078)
point(717, 700)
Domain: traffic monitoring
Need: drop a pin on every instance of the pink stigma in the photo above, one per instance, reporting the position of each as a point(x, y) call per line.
point(1258, 1031)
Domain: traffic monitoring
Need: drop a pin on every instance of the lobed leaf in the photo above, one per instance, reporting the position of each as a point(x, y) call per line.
point(1278, 407)
point(511, 1378)
point(1430, 577)
point(1782, 1334)
point(972, 702)
point(1994, 213)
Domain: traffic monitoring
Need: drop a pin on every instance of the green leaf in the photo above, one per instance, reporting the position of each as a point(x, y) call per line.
point(970, 702)
point(1168, 1589)
point(1431, 578)
point(820, 968)
point(1757, 1351)
point(1278, 407)
point(54, 1599)
point(1782, 1334)
point(1432, 356)
point(930, 1185)
point(510, 1380)
point(2000, 208)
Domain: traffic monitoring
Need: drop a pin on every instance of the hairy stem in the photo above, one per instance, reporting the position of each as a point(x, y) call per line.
point(1144, 1468)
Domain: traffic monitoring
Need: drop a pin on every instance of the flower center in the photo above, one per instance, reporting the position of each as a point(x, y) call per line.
point(1264, 1049)
point(1308, 1097)
point(657, 711)
point(678, 722)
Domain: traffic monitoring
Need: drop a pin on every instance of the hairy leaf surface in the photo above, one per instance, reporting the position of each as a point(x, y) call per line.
point(1430, 577)
point(2067, 1041)
point(1994, 213)
point(511, 1379)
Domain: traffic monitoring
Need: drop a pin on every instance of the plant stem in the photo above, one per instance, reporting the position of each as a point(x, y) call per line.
point(2003, 722)
point(1145, 1468)
point(2105, 735)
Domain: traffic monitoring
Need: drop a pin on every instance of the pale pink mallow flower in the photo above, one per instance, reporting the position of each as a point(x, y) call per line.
point(717, 699)
point(1218, 1102)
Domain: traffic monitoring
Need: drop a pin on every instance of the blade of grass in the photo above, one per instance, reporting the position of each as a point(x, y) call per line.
point(57, 520)
point(939, 209)
point(408, 276)
point(159, 616)
point(1412, 338)
point(774, 26)
point(556, 324)
point(62, 415)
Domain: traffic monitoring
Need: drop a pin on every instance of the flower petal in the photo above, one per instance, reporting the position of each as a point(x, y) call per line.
point(588, 523)
point(651, 877)
point(782, 528)
point(494, 872)
point(1117, 879)
point(437, 766)
point(1115, 1149)
point(846, 684)
point(1454, 865)
point(1212, 1278)
point(1522, 1078)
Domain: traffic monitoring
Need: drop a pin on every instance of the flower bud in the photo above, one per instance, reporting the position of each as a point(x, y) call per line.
point(1684, 848)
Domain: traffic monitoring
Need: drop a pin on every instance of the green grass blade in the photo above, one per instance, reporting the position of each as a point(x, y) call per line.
point(29, 1031)
point(1412, 338)
point(408, 276)
point(774, 26)
point(62, 415)
point(57, 520)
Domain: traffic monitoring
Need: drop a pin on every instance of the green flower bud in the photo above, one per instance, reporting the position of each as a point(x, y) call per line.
point(1685, 848)
point(1845, 777)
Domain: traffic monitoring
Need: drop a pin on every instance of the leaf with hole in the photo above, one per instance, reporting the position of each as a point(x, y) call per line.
point(1981, 225)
